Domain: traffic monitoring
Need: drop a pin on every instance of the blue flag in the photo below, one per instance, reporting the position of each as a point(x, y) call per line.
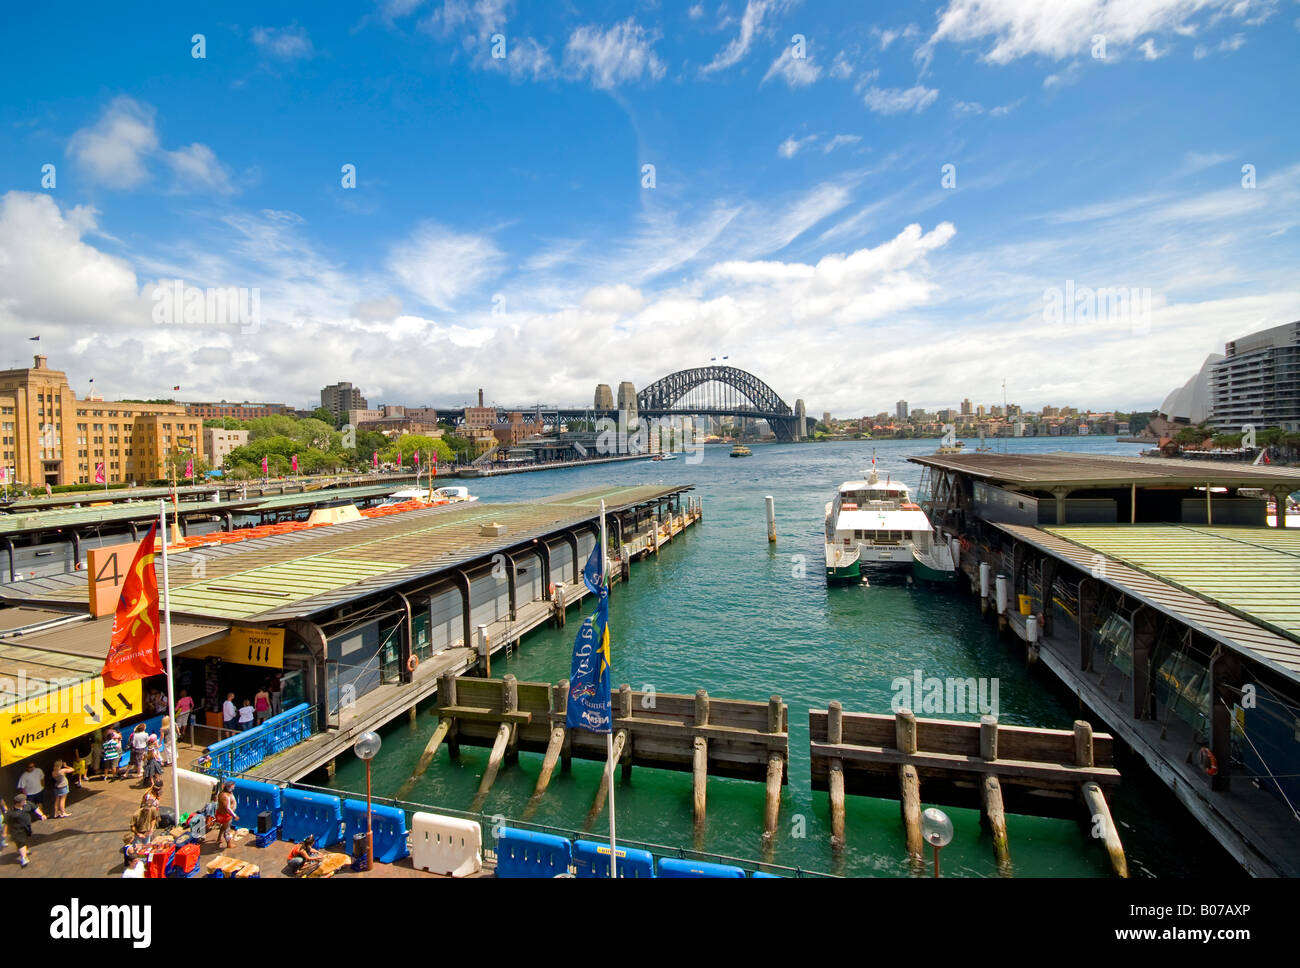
point(589, 704)
point(592, 573)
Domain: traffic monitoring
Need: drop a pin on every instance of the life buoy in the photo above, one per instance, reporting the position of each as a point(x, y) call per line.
point(552, 588)
point(1208, 762)
point(412, 663)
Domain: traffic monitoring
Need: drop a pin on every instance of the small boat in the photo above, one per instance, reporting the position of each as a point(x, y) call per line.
point(441, 495)
point(659, 457)
point(953, 448)
point(875, 525)
point(740, 450)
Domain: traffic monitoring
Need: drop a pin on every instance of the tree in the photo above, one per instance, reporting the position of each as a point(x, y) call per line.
point(324, 415)
point(410, 443)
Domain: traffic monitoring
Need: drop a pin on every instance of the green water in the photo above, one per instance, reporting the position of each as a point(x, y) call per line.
point(722, 609)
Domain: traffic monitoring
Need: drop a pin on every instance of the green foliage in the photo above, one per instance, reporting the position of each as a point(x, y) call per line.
point(409, 444)
point(324, 416)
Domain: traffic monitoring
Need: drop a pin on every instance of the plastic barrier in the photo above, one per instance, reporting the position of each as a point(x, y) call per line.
point(252, 797)
point(446, 845)
point(672, 867)
point(196, 790)
point(766, 875)
point(311, 813)
point(388, 824)
point(591, 859)
point(521, 853)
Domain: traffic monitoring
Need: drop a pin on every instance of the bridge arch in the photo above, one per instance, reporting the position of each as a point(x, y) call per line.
point(666, 393)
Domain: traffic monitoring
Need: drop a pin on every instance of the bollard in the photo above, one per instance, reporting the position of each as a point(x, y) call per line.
point(484, 653)
point(1001, 586)
point(771, 518)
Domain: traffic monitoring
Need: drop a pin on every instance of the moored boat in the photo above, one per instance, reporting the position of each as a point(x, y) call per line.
point(740, 450)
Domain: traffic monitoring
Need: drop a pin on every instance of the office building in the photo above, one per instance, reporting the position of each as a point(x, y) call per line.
point(1257, 383)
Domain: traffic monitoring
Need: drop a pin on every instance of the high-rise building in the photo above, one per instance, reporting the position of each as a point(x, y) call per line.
point(339, 398)
point(900, 410)
point(965, 408)
point(47, 436)
point(217, 443)
point(1257, 383)
point(604, 397)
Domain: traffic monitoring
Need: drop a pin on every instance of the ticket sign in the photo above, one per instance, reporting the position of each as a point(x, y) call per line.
point(42, 722)
point(106, 570)
point(246, 646)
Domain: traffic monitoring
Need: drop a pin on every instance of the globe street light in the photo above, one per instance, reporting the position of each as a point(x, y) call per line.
point(367, 746)
point(936, 828)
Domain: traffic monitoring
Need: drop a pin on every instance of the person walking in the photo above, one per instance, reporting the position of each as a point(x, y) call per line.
point(112, 753)
point(139, 744)
point(145, 821)
point(229, 712)
point(262, 705)
point(277, 695)
point(184, 709)
point(165, 740)
point(226, 813)
point(18, 824)
point(246, 713)
point(31, 783)
point(59, 777)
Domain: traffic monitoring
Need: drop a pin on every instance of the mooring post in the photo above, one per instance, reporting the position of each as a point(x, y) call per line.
point(560, 594)
point(700, 759)
point(511, 704)
point(910, 784)
point(561, 699)
point(991, 796)
point(1103, 827)
point(775, 773)
point(625, 712)
point(771, 518)
point(484, 653)
point(1083, 755)
point(835, 737)
point(986, 579)
point(447, 697)
point(625, 563)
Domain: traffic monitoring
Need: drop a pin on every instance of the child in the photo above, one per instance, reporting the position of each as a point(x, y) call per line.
point(80, 767)
point(165, 740)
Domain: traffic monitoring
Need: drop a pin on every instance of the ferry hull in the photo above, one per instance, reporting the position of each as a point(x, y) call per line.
point(924, 572)
point(844, 575)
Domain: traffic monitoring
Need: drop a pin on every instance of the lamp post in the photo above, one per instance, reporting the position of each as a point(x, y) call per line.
point(936, 828)
point(366, 747)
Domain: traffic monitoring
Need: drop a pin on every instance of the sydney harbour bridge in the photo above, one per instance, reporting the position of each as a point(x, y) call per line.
point(714, 391)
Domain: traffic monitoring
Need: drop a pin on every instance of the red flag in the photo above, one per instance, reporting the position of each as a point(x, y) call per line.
point(417, 457)
point(374, 460)
point(265, 471)
point(399, 458)
point(189, 468)
point(133, 648)
point(99, 473)
point(295, 463)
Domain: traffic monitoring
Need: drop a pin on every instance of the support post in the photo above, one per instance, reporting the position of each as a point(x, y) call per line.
point(1225, 685)
point(447, 697)
point(835, 736)
point(1101, 823)
point(770, 501)
point(910, 785)
point(625, 712)
point(995, 816)
point(1144, 644)
point(1087, 618)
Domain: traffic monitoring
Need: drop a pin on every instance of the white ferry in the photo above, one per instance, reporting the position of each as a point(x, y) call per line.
point(875, 525)
point(440, 495)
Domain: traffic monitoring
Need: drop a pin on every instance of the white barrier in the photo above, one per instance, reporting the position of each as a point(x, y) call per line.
point(196, 790)
point(446, 845)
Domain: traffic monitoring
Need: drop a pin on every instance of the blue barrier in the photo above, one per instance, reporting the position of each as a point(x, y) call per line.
point(591, 859)
point(252, 797)
point(672, 867)
point(245, 751)
point(311, 813)
point(765, 874)
point(524, 854)
point(388, 824)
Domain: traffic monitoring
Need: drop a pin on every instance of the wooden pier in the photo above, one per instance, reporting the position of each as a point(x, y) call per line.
point(995, 769)
point(696, 734)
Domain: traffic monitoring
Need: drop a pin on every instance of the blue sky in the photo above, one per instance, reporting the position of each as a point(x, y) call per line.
point(502, 232)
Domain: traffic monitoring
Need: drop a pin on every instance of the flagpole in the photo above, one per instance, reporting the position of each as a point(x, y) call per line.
point(171, 692)
point(609, 736)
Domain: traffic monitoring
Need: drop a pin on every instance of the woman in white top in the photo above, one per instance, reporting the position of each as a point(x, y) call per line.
point(246, 716)
point(228, 712)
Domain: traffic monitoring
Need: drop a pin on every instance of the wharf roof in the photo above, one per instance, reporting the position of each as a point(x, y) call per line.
point(1237, 585)
point(1073, 470)
point(294, 575)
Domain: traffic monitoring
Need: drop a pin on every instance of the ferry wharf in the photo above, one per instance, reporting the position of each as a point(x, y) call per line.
point(1155, 591)
point(361, 619)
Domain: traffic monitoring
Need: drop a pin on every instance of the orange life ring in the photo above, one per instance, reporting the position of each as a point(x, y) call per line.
point(412, 663)
point(1211, 764)
point(552, 588)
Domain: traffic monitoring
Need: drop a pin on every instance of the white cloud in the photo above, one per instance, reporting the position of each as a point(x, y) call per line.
point(284, 43)
point(750, 23)
point(795, 71)
point(622, 54)
point(1149, 51)
point(841, 67)
point(1020, 28)
point(619, 299)
point(895, 100)
point(791, 146)
point(114, 151)
point(196, 167)
point(440, 265)
point(696, 12)
point(841, 139)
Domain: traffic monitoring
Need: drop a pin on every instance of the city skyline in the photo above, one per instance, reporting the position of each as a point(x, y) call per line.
point(951, 196)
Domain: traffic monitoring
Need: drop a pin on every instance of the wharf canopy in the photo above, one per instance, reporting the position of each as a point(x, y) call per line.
point(349, 605)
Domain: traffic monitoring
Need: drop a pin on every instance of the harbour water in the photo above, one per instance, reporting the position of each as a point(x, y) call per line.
point(722, 609)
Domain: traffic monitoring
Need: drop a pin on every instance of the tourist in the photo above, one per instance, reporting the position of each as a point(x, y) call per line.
point(226, 813)
point(59, 777)
point(184, 709)
point(277, 695)
point(97, 753)
point(135, 868)
point(145, 821)
point(246, 713)
point(165, 740)
point(80, 765)
point(153, 769)
point(139, 744)
point(262, 705)
point(31, 782)
point(112, 753)
point(228, 712)
point(305, 858)
point(18, 824)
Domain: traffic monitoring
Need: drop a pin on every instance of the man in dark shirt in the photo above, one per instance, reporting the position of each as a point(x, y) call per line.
point(18, 823)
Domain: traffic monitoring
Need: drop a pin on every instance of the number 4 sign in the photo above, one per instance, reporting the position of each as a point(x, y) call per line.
point(106, 571)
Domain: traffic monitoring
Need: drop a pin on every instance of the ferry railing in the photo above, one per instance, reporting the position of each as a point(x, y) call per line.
point(492, 824)
point(246, 750)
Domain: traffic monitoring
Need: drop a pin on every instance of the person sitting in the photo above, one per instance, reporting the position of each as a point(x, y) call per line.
point(305, 858)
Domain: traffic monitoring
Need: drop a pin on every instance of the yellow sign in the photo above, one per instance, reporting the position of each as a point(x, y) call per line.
point(45, 721)
point(245, 646)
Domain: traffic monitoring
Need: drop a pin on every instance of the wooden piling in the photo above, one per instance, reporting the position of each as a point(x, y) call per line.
point(700, 779)
point(560, 700)
point(512, 705)
point(909, 782)
point(1099, 814)
point(772, 805)
point(598, 804)
point(625, 712)
point(504, 733)
point(835, 735)
point(1083, 755)
point(558, 617)
point(430, 750)
point(991, 799)
point(447, 697)
point(771, 518)
point(989, 738)
point(548, 768)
